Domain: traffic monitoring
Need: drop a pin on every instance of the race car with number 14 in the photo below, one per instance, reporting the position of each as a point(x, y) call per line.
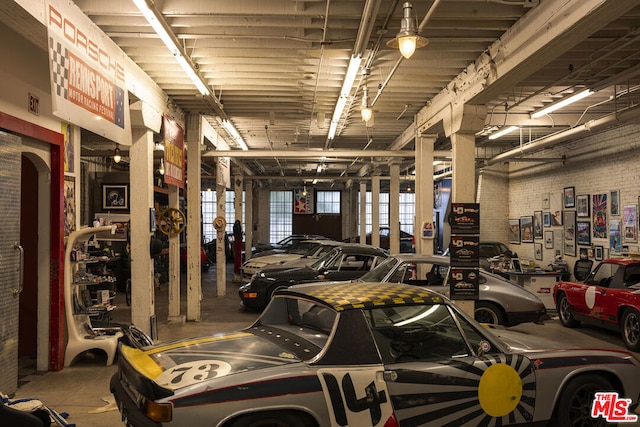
point(369, 354)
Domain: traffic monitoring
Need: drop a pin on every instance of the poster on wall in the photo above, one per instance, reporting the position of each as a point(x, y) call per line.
point(69, 205)
point(615, 237)
point(87, 73)
point(173, 152)
point(630, 228)
point(69, 151)
point(302, 201)
point(570, 233)
point(555, 201)
point(599, 215)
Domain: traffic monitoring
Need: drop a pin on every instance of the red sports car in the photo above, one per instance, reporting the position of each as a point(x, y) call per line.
point(609, 297)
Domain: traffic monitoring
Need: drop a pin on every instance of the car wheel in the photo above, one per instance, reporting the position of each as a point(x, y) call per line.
point(564, 312)
point(630, 327)
point(573, 408)
point(272, 419)
point(487, 312)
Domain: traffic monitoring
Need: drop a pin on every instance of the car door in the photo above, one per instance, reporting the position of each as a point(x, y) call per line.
point(599, 291)
point(434, 377)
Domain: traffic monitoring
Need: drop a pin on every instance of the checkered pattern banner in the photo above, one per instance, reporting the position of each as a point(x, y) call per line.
point(59, 67)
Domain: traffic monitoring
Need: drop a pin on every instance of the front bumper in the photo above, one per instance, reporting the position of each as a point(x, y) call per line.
point(132, 416)
point(526, 316)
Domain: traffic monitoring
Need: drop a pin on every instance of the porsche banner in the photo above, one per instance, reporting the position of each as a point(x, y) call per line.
point(87, 73)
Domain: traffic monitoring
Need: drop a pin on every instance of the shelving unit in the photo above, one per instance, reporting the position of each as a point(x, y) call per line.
point(86, 300)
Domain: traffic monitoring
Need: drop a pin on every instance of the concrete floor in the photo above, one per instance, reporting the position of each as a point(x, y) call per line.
point(82, 390)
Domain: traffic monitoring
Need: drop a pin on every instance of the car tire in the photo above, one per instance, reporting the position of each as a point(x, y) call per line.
point(564, 312)
point(488, 312)
point(273, 419)
point(630, 329)
point(573, 408)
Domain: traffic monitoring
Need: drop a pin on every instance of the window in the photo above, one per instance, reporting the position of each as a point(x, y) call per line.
point(280, 215)
point(210, 211)
point(328, 202)
point(407, 211)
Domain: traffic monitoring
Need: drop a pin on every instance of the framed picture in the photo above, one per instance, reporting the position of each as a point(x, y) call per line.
point(582, 206)
point(514, 231)
point(630, 223)
point(569, 197)
point(584, 253)
point(583, 232)
point(548, 239)
point(537, 224)
point(598, 253)
point(69, 210)
point(615, 202)
point(526, 229)
point(546, 219)
point(115, 196)
point(537, 249)
point(546, 201)
point(599, 215)
point(569, 219)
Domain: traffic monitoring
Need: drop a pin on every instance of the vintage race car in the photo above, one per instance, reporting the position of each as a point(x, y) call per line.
point(608, 297)
point(368, 354)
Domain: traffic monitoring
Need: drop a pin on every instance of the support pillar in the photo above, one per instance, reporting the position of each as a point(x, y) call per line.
point(221, 258)
point(194, 217)
point(363, 212)
point(248, 217)
point(375, 210)
point(141, 185)
point(394, 208)
point(237, 207)
point(174, 265)
point(424, 191)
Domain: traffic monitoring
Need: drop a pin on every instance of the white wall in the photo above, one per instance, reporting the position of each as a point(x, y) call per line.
point(596, 164)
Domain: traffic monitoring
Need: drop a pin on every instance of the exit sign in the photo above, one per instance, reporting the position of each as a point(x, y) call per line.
point(34, 104)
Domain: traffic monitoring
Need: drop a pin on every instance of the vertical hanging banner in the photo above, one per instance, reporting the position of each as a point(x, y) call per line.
point(223, 172)
point(173, 152)
point(87, 73)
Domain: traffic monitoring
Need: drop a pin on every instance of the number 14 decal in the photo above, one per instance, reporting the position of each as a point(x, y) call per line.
point(354, 395)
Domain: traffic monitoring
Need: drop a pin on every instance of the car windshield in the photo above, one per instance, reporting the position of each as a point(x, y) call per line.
point(380, 271)
point(324, 259)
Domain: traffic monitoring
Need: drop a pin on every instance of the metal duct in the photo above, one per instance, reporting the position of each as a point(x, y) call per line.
point(618, 118)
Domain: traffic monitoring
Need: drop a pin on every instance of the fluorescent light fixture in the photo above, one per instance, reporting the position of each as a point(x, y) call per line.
point(347, 84)
point(503, 132)
point(234, 134)
point(315, 181)
point(163, 32)
point(562, 103)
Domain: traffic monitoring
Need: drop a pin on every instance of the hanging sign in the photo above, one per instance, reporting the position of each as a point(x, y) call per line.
point(87, 73)
point(302, 201)
point(465, 218)
point(173, 152)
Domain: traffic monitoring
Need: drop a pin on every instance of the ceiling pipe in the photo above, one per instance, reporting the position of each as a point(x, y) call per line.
point(320, 155)
point(620, 117)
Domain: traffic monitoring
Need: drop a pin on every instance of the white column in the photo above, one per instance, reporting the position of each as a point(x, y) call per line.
point(248, 217)
point(375, 210)
point(424, 191)
point(141, 200)
point(221, 258)
point(363, 212)
point(194, 217)
point(237, 207)
point(394, 208)
point(174, 265)
point(464, 183)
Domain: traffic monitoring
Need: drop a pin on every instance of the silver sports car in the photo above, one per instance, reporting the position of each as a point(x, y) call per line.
point(500, 301)
point(369, 354)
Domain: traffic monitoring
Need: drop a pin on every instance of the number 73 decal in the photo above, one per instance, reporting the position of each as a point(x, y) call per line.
point(355, 397)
